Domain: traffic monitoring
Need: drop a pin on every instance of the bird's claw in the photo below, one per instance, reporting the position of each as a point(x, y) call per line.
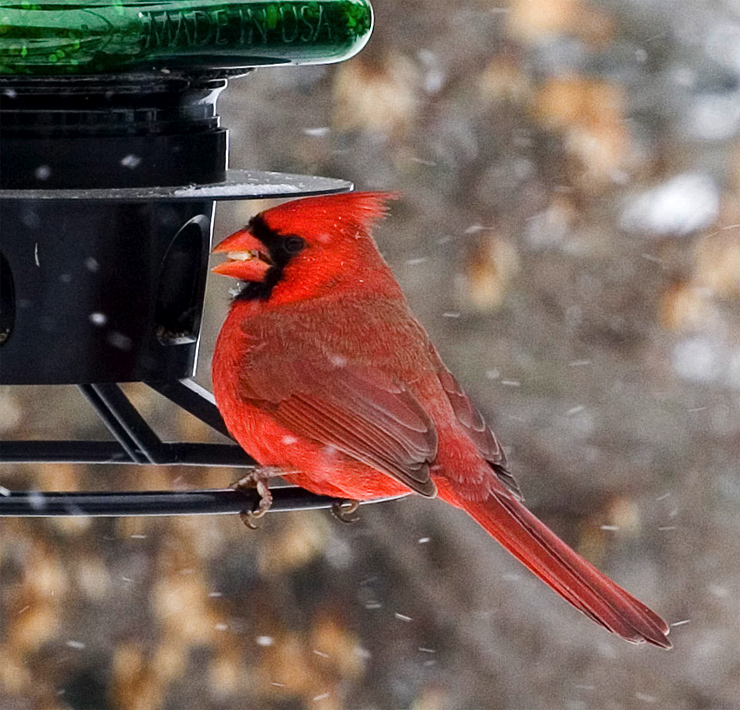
point(257, 479)
point(346, 510)
point(252, 519)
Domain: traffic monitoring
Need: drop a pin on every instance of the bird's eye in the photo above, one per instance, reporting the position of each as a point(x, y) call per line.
point(293, 245)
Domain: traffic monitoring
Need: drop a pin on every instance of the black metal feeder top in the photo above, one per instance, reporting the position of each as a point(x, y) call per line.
point(112, 157)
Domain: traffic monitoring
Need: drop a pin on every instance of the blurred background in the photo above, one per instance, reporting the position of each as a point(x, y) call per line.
point(569, 234)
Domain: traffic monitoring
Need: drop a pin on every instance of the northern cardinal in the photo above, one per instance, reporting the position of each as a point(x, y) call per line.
point(322, 374)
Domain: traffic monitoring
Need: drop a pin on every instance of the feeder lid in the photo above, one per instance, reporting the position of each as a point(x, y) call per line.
point(54, 37)
point(238, 185)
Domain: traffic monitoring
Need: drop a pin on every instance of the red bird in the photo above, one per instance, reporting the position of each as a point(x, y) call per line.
point(324, 376)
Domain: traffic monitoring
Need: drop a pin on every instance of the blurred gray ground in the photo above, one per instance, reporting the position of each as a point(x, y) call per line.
point(569, 234)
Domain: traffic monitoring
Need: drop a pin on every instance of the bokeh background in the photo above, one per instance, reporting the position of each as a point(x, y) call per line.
point(569, 234)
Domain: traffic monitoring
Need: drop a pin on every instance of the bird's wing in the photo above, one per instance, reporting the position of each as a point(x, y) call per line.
point(332, 399)
point(477, 430)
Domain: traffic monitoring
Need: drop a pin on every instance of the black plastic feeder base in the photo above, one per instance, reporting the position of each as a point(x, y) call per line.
point(102, 292)
point(107, 192)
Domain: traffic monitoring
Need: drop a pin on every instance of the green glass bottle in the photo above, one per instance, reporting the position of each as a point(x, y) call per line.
point(54, 37)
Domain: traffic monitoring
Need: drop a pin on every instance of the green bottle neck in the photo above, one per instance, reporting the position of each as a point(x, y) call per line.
point(104, 36)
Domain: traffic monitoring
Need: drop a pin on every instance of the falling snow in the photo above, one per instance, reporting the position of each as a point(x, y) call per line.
point(42, 172)
point(131, 161)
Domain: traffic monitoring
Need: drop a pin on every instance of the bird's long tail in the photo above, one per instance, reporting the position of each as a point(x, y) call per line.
point(563, 569)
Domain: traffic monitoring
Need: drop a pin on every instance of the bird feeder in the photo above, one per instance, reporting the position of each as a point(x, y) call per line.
point(112, 158)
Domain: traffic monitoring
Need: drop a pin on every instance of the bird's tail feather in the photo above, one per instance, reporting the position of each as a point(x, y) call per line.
point(563, 569)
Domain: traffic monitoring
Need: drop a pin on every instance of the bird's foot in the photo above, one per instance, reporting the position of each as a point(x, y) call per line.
point(257, 479)
point(346, 510)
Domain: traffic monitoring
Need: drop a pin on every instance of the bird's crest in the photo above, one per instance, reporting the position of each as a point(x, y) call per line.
point(348, 213)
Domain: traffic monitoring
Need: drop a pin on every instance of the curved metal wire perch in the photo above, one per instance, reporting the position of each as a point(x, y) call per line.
point(137, 443)
point(196, 502)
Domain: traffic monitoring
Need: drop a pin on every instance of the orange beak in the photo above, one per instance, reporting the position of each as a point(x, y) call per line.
point(248, 259)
